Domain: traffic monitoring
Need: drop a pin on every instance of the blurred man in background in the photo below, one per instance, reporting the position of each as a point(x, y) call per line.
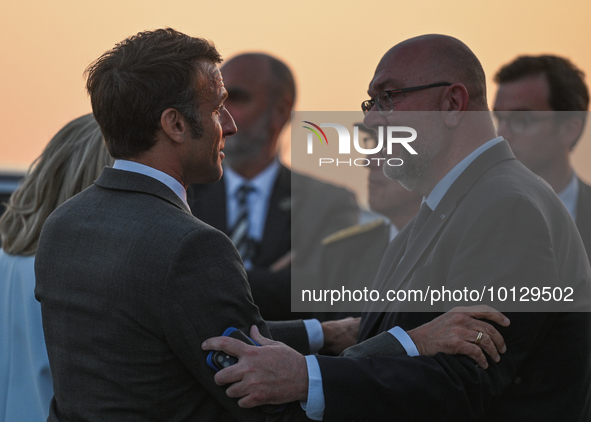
point(351, 256)
point(534, 98)
point(258, 197)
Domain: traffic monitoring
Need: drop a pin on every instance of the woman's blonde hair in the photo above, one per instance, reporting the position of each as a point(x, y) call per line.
point(71, 161)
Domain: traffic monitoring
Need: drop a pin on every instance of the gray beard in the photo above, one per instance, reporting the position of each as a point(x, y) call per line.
point(247, 145)
point(411, 172)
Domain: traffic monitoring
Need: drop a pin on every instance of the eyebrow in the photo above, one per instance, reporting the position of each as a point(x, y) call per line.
point(380, 86)
point(222, 97)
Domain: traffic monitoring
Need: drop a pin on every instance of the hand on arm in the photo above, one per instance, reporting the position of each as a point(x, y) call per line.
point(456, 332)
point(339, 334)
point(271, 374)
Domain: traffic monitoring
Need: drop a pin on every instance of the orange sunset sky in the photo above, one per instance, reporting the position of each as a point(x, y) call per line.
point(332, 47)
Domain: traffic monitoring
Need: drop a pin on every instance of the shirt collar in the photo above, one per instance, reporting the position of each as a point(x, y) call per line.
point(569, 196)
point(262, 182)
point(444, 184)
point(168, 180)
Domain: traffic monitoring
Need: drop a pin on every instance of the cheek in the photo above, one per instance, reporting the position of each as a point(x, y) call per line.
point(238, 114)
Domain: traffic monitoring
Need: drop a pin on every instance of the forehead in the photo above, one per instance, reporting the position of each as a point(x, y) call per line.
point(530, 93)
point(247, 73)
point(214, 83)
point(401, 67)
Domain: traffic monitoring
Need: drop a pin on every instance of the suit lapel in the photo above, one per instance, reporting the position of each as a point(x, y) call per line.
point(278, 215)
point(446, 208)
point(396, 272)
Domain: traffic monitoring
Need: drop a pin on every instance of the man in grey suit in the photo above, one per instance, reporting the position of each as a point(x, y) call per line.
point(130, 283)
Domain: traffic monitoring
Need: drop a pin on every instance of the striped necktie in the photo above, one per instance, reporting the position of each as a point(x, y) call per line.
point(239, 233)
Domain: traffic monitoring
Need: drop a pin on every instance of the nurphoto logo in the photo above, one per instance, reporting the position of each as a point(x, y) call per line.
point(345, 143)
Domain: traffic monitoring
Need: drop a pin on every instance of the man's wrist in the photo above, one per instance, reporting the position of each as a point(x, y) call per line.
point(405, 340)
point(314, 406)
point(315, 335)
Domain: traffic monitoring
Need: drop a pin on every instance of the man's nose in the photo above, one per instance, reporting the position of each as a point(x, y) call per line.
point(373, 119)
point(228, 125)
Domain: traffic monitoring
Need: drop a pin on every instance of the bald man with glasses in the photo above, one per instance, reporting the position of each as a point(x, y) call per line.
point(486, 220)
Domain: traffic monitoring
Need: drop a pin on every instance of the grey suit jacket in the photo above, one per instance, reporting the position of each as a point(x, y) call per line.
point(497, 226)
point(130, 285)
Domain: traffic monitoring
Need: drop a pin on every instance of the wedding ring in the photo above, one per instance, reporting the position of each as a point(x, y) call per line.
point(478, 338)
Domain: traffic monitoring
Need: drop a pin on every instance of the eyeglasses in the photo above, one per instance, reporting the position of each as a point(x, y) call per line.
point(383, 101)
point(519, 122)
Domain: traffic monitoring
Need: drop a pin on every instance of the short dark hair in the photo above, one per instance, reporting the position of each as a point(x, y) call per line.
point(132, 84)
point(568, 91)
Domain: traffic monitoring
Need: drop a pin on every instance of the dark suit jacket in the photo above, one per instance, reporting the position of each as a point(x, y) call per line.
point(497, 225)
point(130, 285)
point(316, 209)
point(350, 259)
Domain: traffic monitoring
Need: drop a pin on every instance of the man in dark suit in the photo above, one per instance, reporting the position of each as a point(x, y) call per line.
point(531, 90)
point(261, 95)
point(130, 283)
point(486, 221)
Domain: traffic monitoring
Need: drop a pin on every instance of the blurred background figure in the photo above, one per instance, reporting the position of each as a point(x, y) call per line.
point(351, 256)
point(71, 161)
point(387, 197)
point(259, 202)
point(9, 181)
point(541, 107)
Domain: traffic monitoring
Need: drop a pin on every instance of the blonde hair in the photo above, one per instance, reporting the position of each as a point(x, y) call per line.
point(71, 161)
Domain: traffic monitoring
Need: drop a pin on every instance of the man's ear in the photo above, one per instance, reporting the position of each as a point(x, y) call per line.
point(174, 125)
point(455, 102)
point(570, 130)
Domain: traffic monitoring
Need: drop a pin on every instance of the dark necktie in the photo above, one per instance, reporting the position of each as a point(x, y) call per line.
point(419, 222)
point(239, 233)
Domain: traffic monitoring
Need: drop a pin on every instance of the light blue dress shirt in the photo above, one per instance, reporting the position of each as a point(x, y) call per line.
point(26, 386)
point(314, 406)
point(168, 180)
point(570, 195)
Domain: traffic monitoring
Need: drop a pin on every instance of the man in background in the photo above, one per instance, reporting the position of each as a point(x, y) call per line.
point(532, 105)
point(258, 198)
